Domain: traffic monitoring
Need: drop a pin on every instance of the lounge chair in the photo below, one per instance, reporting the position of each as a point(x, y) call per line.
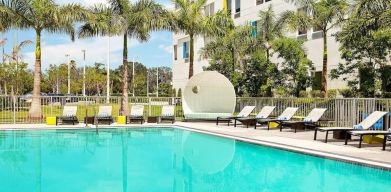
point(263, 114)
point(104, 115)
point(68, 115)
point(136, 114)
point(369, 132)
point(168, 113)
point(245, 112)
point(310, 121)
point(286, 115)
point(364, 125)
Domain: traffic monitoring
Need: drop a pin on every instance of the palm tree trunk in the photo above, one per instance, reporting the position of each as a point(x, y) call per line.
point(269, 89)
point(125, 103)
point(191, 66)
point(324, 69)
point(35, 110)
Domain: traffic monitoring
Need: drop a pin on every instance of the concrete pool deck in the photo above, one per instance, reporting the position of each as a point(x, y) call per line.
point(369, 154)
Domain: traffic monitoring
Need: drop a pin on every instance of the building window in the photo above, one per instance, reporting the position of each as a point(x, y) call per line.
point(237, 6)
point(317, 32)
point(317, 80)
point(254, 29)
point(229, 6)
point(209, 9)
point(186, 51)
point(175, 52)
point(258, 2)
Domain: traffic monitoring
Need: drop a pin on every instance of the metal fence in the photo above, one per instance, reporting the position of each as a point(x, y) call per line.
point(341, 112)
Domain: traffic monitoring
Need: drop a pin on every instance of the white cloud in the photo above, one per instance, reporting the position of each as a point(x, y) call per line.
point(166, 48)
point(96, 51)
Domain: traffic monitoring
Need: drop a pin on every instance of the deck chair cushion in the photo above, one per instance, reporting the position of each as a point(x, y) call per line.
point(168, 111)
point(246, 111)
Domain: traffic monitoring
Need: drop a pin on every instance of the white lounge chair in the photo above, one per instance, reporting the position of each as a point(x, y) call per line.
point(104, 114)
point(286, 115)
point(364, 125)
point(245, 112)
point(68, 115)
point(168, 113)
point(310, 121)
point(263, 114)
point(136, 114)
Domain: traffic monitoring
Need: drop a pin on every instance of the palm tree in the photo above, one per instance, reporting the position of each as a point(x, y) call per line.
point(269, 28)
point(190, 19)
point(134, 20)
point(323, 15)
point(237, 41)
point(40, 15)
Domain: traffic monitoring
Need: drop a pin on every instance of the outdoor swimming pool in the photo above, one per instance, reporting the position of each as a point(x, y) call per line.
point(167, 159)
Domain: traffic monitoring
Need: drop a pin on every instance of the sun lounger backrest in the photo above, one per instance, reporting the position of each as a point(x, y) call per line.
point(137, 110)
point(168, 110)
point(105, 110)
point(372, 119)
point(315, 114)
point(288, 113)
point(246, 111)
point(265, 112)
point(69, 110)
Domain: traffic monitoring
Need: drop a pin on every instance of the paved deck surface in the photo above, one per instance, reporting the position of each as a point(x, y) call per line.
point(303, 141)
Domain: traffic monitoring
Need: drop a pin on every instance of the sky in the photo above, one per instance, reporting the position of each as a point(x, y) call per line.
point(156, 52)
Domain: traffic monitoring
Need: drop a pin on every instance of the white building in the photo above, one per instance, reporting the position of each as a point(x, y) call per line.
point(245, 12)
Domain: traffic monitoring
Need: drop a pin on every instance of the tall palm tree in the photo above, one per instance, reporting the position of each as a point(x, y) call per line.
point(324, 15)
point(131, 20)
point(269, 28)
point(40, 15)
point(190, 19)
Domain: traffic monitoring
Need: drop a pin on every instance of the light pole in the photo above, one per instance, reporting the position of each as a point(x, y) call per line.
point(147, 83)
point(69, 73)
point(108, 71)
point(84, 72)
point(157, 81)
point(133, 77)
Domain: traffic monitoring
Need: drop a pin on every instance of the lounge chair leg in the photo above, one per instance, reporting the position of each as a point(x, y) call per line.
point(315, 134)
point(346, 138)
point(359, 145)
point(228, 122)
point(384, 142)
point(295, 129)
point(327, 135)
point(217, 121)
point(235, 123)
point(280, 128)
point(255, 126)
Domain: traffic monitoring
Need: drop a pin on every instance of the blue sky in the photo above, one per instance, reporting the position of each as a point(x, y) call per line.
point(155, 52)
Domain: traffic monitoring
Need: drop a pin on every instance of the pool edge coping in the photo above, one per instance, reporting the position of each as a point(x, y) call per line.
point(286, 147)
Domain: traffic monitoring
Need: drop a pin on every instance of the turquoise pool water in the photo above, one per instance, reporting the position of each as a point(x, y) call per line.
point(165, 159)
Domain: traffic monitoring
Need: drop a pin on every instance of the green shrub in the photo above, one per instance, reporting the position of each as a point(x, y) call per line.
point(333, 93)
point(386, 94)
point(304, 94)
point(315, 93)
point(347, 93)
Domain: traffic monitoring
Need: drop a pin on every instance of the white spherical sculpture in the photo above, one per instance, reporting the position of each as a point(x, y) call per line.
point(208, 95)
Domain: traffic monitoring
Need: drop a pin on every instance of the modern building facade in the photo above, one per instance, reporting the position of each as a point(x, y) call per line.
point(246, 12)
